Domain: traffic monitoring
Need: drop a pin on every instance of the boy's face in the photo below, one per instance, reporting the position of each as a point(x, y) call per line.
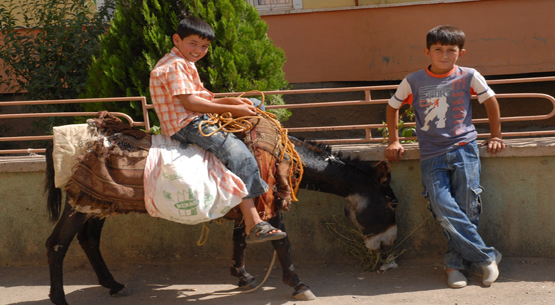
point(443, 57)
point(192, 47)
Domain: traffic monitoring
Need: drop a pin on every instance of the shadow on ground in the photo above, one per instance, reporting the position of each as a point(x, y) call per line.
point(522, 281)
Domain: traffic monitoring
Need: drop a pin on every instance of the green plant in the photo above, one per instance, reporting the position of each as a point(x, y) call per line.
point(405, 132)
point(47, 46)
point(139, 35)
point(241, 59)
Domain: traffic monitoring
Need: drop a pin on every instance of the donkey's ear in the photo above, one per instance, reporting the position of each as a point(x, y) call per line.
point(383, 173)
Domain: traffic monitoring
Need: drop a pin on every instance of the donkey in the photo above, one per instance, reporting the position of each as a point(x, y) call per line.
point(370, 205)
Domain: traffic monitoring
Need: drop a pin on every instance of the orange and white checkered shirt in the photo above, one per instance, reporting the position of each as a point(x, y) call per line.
point(174, 75)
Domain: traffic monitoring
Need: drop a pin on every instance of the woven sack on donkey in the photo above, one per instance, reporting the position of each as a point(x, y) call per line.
point(109, 180)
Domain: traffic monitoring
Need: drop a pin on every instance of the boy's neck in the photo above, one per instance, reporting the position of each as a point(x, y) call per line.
point(430, 69)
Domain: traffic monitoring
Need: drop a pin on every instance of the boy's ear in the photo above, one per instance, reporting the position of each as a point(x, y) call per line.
point(176, 39)
point(427, 51)
point(462, 52)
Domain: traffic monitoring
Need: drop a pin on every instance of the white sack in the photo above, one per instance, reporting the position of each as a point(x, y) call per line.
point(188, 185)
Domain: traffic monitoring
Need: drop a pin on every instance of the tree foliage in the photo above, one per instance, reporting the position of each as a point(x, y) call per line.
point(139, 35)
point(47, 45)
point(241, 59)
point(46, 49)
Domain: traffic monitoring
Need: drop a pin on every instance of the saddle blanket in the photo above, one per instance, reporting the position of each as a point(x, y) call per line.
point(101, 166)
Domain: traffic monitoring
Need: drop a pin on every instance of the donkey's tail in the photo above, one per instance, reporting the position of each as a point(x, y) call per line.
point(54, 203)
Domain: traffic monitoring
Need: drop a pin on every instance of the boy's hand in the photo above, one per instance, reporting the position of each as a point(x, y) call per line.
point(394, 151)
point(495, 145)
point(245, 109)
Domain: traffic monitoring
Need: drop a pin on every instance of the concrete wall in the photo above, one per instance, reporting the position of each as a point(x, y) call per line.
point(517, 219)
point(518, 209)
point(376, 43)
point(386, 43)
point(140, 238)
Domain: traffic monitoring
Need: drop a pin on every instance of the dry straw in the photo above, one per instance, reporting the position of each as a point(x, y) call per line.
point(353, 240)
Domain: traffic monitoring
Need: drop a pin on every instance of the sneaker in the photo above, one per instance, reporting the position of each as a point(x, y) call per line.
point(491, 272)
point(455, 279)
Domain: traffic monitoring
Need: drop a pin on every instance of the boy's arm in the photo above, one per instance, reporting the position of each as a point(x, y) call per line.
point(495, 143)
point(232, 101)
point(394, 150)
point(236, 106)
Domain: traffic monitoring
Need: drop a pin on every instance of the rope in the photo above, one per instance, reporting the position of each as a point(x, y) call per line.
point(228, 123)
point(203, 233)
point(226, 119)
point(258, 286)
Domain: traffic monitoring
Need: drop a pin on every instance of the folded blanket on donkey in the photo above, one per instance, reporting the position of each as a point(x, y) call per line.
point(67, 148)
point(108, 178)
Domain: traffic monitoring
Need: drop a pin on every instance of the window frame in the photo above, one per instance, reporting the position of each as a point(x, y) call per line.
point(293, 5)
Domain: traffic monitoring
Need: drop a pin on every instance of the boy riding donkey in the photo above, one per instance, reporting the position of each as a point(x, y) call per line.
point(181, 103)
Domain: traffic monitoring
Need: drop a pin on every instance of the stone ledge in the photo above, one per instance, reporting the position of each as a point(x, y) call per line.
point(525, 147)
point(25, 163)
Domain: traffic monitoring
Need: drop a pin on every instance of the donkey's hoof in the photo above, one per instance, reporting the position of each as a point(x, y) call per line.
point(59, 302)
point(249, 285)
point(124, 292)
point(304, 295)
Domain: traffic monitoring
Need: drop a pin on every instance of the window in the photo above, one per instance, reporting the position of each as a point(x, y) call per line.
point(110, 3)
point(276, 5)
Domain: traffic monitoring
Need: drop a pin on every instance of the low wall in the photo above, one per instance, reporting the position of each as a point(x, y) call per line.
point(518, 206)
point(517, 219)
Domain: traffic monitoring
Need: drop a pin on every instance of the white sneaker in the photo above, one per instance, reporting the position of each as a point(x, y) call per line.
point(491, 272)
point(455, 279)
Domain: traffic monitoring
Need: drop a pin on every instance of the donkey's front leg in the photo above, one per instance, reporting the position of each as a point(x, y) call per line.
point(89, 239)
point(289, 277)
point(56, 249)
point(246, 281)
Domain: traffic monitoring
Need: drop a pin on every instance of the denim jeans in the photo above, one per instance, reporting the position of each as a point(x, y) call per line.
point(229, 149)
point(452, 186)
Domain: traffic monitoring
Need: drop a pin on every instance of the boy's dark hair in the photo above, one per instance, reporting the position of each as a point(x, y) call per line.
point(194, 26)
point(445, 35)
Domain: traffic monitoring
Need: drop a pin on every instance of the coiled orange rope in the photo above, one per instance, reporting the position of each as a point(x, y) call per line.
point(228, 123)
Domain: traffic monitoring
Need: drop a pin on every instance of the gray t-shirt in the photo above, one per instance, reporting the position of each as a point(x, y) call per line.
point(442, 107)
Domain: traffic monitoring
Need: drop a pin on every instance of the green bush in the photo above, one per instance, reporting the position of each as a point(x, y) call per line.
point(140, 34)
point(47, 46)
point(242, 58)
point(47, 54)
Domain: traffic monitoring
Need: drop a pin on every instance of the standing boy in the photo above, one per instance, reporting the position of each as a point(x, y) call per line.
point(181, 103)
point(449, 156)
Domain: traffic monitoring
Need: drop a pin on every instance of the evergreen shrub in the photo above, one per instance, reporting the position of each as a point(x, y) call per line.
point(241, 59)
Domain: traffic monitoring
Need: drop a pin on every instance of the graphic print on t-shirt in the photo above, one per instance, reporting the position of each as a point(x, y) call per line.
point(435, 101)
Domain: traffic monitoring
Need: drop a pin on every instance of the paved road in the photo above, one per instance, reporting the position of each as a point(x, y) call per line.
point(523, 281)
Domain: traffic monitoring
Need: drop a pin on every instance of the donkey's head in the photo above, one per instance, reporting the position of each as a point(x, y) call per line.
point(370, 203)
point(372, 209)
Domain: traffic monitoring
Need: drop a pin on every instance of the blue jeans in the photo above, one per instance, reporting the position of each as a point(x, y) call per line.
point(229, 149)
point(452, 186)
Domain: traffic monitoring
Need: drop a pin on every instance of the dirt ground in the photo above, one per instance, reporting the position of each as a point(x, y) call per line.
point(522, 281)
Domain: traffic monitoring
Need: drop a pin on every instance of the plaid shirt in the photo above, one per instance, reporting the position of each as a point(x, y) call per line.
point(174, 75)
